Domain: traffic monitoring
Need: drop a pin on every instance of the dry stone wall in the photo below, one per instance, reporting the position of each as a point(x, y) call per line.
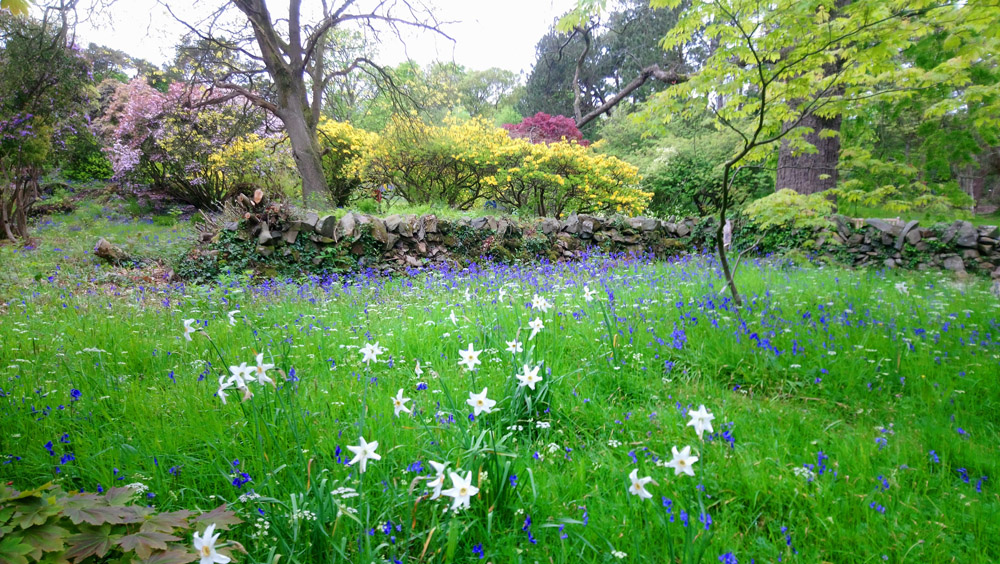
point(410, 241)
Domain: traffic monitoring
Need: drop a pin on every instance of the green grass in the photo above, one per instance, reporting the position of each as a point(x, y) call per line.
point(61, 246)
point(871, 377)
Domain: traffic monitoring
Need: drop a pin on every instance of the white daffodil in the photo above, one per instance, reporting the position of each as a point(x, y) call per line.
point(418, 371)
point(453, 319)
point(470, 358)
point(638, 486)
point(240, 374)
point(189, 328)
point(540, 303)
point(260, 370)
point(701, 420)
point(529, 376)
point(514, 347)
point(204, 545)
point(399, 403)
point(682, 461)
point(223, 386)
point(480, 403)
point(468, 295)
point(462, 490)
point(902, 289)
point(437, 482)
point(364, 452)
point(232, 317)
point(502, 294)
point(370, 352)
point(588, 294)
point(536, 326)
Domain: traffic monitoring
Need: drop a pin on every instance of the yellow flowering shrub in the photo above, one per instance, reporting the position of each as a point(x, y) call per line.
point(465, 163)
point(565, 177)
point(347, 154)
point(456, 163)
point(252, 160)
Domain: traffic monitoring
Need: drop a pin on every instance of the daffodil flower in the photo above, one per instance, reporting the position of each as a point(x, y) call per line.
point(363, 453)
point(701, 420)
point(462, 490)
point(638, 486)
point(399, 403)
point(480, 403)
point(682, 461)
point(470, 358)
point(204, 544)
point(529, 376)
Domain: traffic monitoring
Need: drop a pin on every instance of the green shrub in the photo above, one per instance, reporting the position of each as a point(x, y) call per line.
point(788, 208)
point(50, 525)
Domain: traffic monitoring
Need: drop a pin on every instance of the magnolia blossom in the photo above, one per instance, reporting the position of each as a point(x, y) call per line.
point(470, 358)
point(529, 376)
point(480, 403)
point(588, 294)
point(399, 403)
point(438, 481)
point(232, 317)
point(462, 490)
point(364, 452)
point(682, 461)
point(536, 326)
point(701, 420)
point(204, 545)
point(261, 370)
point(370, 352)
point(514, 347)
point(189, 328)
point(638, 486)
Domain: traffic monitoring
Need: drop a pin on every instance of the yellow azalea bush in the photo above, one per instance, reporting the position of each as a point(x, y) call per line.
point(253, 161)
point(465, 163)
point(456, 163)
point(347, 154)
point(565, 177)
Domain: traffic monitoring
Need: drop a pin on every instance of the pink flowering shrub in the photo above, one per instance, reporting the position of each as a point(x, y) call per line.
point(543, 128)
point(197, 152)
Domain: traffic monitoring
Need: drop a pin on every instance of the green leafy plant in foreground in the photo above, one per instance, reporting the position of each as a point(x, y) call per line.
point(49, 525)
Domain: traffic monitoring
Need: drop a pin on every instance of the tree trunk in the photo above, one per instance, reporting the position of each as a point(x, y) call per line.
point(810, 173)
point(305, 149)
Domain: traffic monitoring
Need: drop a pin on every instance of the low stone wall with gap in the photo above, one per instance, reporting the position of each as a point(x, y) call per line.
point(276, 240)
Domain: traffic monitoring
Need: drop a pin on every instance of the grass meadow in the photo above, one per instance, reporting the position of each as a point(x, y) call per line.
point(847, 416)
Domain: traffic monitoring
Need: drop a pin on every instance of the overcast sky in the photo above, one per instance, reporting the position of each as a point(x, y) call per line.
point(488, 33)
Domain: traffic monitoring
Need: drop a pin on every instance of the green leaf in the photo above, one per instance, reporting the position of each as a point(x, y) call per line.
point(145, 542)
point(16, 7)
point(167, 522)
point(119, 496)
point(84, 509)
point(45, 538)
point(222, 518)
point(32, 511)
point(91, 541)
point(12, 550)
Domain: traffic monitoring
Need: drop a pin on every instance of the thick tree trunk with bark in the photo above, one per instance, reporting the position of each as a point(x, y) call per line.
point(307, 154)
point(810, 173)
